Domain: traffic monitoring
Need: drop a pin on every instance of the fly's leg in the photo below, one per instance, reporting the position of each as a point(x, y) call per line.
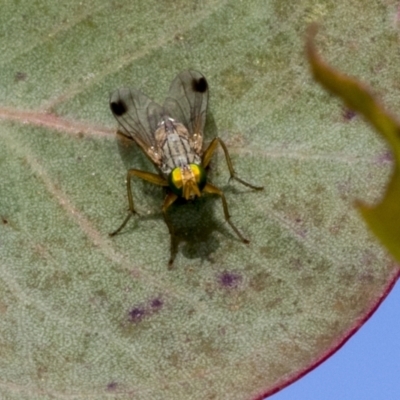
point(209, 153)
point(147, 176)
point(169, 199)
point(214, 190)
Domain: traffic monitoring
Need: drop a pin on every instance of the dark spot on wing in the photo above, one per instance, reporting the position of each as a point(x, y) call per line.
point(4, 220)
point(199, 85)
point(118, 107)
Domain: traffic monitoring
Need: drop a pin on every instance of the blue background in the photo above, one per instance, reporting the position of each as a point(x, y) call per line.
point(367, 367)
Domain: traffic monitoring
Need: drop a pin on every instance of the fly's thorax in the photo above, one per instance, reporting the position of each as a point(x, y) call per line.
point(187, 181)
point(169, 126)
point(175, 146)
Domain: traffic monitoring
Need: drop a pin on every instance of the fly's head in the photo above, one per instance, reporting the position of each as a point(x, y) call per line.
point(187, 181)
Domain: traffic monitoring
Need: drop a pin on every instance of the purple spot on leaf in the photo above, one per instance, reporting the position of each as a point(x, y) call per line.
point(229, 279)
point(156, 304)
point(20, 76)
point(348, 114)
point(112, 386)
point(137, 314)
point(386, 157)
point(153, 306)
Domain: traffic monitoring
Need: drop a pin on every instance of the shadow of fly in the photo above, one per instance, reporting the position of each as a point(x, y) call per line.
point(171, 136)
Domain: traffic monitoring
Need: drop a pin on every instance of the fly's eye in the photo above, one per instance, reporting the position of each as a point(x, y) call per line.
point(200, 175)
point(175, 181)
point(199, 85)
point(118, 107)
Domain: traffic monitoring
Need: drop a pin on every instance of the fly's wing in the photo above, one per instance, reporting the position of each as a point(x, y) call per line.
point(138, 117)
point(187, 102)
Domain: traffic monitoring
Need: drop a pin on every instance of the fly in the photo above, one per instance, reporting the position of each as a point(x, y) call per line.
point(171, 136)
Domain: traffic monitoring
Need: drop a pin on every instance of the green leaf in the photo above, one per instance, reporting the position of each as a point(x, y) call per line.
point(88, 316)
point(384, 217)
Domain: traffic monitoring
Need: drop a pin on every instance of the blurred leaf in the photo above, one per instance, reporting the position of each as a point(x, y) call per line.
point(86, 316)
point(384, 217)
